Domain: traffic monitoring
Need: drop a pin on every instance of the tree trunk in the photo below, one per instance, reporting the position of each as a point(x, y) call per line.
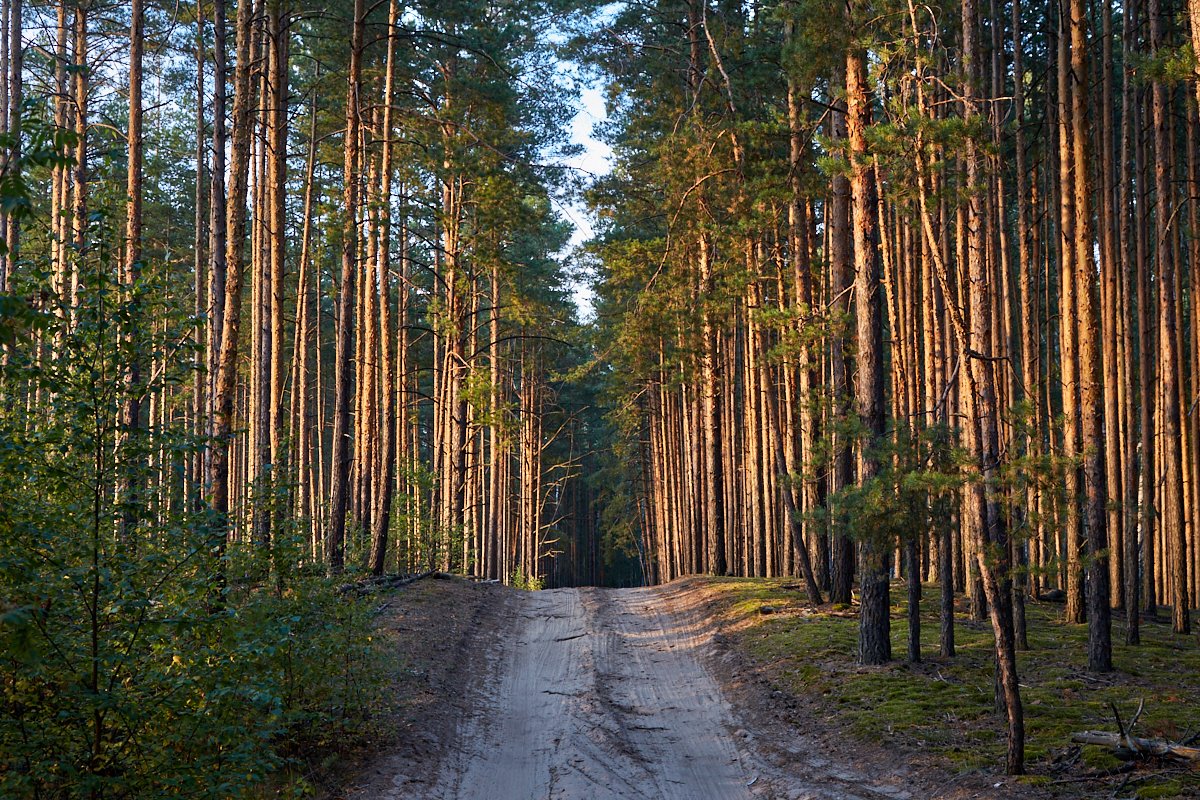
point(874, 638)
point(992, 550)
point(1172, 469)
point(841, 279)
point(380, 527)
point(1091, 392)
point(131, 277)
point(224, 393)
point(344, 375)
point(709, 380)
point(1131, 127)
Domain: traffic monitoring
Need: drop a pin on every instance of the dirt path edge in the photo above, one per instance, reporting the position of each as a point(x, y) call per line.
point(774, 719)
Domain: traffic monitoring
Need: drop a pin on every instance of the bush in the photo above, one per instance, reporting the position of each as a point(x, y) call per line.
point(135, 662)
point(521, 581)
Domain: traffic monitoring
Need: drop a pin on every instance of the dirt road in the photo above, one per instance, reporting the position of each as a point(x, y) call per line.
point(601, 696)
point(597, 694)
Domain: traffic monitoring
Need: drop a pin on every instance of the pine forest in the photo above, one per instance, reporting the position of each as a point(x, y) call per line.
point(804, 391)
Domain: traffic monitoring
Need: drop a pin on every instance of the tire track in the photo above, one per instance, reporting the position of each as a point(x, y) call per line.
point(603, 694)
point(598, 696)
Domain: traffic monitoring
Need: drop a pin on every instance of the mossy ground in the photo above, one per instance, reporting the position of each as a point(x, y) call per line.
point(944, 708)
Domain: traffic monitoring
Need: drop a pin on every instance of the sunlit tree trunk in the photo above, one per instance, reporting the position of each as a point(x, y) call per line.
point(1168, 365)
point(381, 526)
point(874, 639)
point(344, 371)
point(1091, 391)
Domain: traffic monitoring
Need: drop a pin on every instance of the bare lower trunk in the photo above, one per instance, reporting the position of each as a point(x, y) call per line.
point(1091, 390)
point(344, 377)
point(874, 638)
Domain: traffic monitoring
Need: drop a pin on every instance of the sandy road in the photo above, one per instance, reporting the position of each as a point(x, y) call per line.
point(601, 695)
point(595, 694)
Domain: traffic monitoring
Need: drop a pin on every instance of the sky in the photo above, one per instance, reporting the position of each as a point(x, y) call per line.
point(593, 160)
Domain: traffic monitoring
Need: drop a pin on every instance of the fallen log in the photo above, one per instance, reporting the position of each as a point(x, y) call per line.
point(1130, 747)
point(369, 585)
point(454, 576)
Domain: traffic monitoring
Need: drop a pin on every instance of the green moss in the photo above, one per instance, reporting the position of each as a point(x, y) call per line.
point(945, 707)
point(1163, 789)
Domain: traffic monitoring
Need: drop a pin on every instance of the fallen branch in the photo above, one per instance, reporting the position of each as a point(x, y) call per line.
point(1129, 747)
point(1099, 775)
point(369, 585)
point(454, 576)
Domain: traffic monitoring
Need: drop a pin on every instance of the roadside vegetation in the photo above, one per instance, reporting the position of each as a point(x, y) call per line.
point(944, 709)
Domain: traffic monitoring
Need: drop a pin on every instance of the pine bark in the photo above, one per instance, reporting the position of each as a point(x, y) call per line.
point(992, 550)
point(874, 638)
point(342, 449)
point(381, 525)
point(1091, 390)
point(1168, 365)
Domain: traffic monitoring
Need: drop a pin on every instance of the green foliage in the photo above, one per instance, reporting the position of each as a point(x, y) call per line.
point(1169, 65)
point(520, 580)
point(131, 669)
point(917, 472)
point(18, 319)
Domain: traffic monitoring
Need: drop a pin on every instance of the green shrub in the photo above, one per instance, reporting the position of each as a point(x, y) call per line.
point(521, 581)
point(135, 659)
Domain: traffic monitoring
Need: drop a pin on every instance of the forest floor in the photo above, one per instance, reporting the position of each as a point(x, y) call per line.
point(940, 713)
point(630, 693)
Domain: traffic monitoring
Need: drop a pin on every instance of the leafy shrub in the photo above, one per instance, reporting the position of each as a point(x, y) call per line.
point(135, 660)
point(522, 581)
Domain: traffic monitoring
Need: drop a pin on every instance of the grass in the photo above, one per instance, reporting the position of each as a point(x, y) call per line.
point(944, 708)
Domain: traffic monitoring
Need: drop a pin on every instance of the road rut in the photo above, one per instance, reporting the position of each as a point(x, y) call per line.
point(605, 694)
point(601, 695)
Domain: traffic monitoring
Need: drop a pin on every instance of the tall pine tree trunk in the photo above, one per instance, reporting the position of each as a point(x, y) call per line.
point(343, 368)
point(1090, 389)
point(874, 637)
